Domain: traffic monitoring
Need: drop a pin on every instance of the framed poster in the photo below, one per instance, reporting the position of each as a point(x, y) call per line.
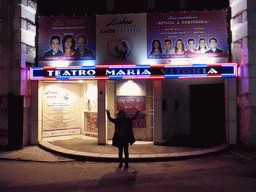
point(184, 35)
point(121, 39)
point(66, 41)
point(131, 103)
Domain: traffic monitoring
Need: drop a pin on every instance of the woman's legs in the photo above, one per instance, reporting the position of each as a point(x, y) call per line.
point(120, 156)
point(126, 153)
point(124, 147)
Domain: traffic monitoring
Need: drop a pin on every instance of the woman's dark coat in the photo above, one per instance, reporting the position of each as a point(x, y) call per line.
point(119, 139)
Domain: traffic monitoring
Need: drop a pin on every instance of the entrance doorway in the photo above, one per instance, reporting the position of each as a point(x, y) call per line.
point(207, 113)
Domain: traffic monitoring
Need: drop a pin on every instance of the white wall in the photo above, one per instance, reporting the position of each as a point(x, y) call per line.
point(131, 88)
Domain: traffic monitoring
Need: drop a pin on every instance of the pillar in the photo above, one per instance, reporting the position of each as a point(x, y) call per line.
point(35, 110)
point(102, 132)
point(110, 103)
point(231, 110)
point(157, 132)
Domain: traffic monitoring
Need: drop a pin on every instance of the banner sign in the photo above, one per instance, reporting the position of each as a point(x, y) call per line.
point(65, 41)
point(133, 72)
point(187, 35)
point(131, 103)
point(121, 39)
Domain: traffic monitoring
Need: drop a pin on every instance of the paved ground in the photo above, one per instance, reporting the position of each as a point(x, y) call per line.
point(84, 147)
point(212, 173)
point(61, 149)
point(33, 153)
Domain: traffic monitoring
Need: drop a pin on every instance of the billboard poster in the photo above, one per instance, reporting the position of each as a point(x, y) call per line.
point(65, 41)
point(121, 39)
point(187, 35)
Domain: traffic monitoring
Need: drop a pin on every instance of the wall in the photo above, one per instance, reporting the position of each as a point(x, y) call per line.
point(15, 39)
point(177, 122)
point(243, 52)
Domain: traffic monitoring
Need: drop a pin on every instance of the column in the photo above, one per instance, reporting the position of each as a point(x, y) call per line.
point(35, 107)
point(110, 5)
point(102, 133)
point(231, 110)
point(157, 132)
point(110, 103)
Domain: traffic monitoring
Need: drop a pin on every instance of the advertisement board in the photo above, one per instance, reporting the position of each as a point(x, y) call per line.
point(66, 41)
point(187, 35)
point(121, 39)
point(61, 107)
point(134, 72)
point(131, 103)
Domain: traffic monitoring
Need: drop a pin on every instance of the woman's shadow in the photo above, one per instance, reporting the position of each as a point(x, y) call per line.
point(117, 178)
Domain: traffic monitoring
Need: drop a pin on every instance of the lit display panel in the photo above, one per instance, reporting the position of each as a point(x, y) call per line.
point(134, 72)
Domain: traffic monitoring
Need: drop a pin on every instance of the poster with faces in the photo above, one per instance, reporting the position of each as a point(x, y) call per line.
point(66, 41)
point(187, 35)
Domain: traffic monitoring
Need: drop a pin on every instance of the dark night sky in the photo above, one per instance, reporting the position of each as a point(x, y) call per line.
point(81, 7)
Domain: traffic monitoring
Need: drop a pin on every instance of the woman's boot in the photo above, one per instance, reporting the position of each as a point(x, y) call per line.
point(120, 159)
point(126, 160)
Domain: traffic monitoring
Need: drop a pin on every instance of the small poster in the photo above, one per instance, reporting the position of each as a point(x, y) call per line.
point(131, 103)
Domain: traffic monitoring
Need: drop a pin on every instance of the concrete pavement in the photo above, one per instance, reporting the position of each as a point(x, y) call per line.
point(80, 147)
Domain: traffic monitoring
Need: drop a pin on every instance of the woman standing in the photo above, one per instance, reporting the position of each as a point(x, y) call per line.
point(123, 134)
point(68, 44)
point(202, 46)
point(179, 47)
point(156, 48)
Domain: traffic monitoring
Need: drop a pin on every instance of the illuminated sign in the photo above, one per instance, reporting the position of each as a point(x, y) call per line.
point(65, 40)
point(187, 35)
point(133, 71)
point(121, 38)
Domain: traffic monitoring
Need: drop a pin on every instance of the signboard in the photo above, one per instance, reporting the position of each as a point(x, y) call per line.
point(133, 72)
point(65, 41)
point(186, 35)
point(61, 107)
point(131, 103)
point(121, 39)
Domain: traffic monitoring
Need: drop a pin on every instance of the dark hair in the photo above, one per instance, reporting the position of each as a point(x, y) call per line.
point(183, 46)
point(54, 37)
point(120, 112)
point(65, 39)
point(153, 48)
point(213, 39)
point(168, 40)
point(191, 40)
point(199, 43)
point(82, 36)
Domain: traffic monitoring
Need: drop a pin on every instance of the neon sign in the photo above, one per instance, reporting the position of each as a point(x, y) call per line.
point(133, 71)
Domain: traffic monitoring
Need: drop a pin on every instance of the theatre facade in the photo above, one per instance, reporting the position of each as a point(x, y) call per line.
point(173, 66)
